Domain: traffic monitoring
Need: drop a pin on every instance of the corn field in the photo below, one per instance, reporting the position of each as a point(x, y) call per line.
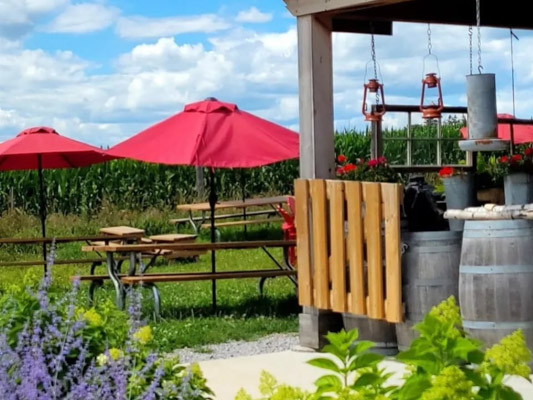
point(134, 185)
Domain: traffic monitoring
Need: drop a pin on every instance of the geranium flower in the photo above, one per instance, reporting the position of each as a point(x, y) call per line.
point(373, 163)
point(341, 158)
point(516, 158)
point(528, 152)
point(340, 171)
point(446, 172)
point(382, 160)
point(503, 159)
point(349, 167)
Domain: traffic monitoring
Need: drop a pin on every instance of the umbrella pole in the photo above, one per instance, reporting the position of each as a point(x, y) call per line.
point(42, 210)
point(212, 202)
point(243, 186)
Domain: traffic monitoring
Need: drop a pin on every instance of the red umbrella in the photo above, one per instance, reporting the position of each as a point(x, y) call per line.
point(43, 148)
point(212, 134)
point(521, 133)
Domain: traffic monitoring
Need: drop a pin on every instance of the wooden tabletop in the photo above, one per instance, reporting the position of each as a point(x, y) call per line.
point(258, 201)
point(122, 231)
point(173, 237)
point(127, 248)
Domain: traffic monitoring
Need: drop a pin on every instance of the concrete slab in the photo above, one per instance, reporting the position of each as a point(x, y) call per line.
point(227, 376)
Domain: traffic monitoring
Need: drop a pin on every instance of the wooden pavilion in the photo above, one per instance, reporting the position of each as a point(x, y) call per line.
point(316, 20)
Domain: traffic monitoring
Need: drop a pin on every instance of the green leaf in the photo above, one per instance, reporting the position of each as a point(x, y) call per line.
point(429, 362)
point(476, 357)
point(506, 393)
point(330, 349)
point(414, 387)
point(361, 347)
point(365, 360)
point(367, 379)
point(328, 383)
point(324, 363)
point(461, 347)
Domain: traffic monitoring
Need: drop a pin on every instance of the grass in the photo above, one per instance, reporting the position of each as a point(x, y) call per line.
point(187, 316)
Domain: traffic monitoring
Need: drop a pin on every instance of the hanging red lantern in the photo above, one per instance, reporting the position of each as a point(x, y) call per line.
point(430, 111)
point(376, 113)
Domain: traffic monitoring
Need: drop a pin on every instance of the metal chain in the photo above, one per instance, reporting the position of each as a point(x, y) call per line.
point(478, 19)
point(373, 52)
point(470, 34)
point(429, 39)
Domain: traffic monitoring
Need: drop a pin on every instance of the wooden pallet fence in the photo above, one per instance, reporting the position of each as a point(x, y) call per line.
point(348, 244)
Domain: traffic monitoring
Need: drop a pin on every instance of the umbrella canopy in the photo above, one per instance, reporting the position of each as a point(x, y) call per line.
point(55, 151)
point(211, 133)
point(43, 148)
point(521, 133)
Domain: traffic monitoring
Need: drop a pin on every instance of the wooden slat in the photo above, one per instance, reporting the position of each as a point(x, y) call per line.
point(202, 276)
point(320, 243)
point(125, 248)
point(337, 261)
point(354, 246)
point(305, 283)
point(243, 222)
point(372, 199)
point(391, 198)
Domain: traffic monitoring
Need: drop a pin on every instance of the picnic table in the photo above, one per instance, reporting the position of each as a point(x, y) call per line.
point(198, 222)
point(121, 281)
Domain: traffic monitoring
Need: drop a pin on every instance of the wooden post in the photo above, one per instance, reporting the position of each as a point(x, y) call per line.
point(317, 151)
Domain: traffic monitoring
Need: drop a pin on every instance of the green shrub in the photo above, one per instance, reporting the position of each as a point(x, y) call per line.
point(442, 364)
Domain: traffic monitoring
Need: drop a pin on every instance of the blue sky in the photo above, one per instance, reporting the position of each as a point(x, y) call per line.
point(102, 70)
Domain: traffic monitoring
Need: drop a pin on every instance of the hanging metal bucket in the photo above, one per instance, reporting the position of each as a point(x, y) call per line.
point(482, 115)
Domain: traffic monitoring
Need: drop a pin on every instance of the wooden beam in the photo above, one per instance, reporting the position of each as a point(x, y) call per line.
point(315, 64)
point(305, 7)
point(356, 26)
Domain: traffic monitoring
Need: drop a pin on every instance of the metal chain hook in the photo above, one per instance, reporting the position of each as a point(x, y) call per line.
point(374, 61)
point(478, 20)
point(429, 39)
point(470, 35)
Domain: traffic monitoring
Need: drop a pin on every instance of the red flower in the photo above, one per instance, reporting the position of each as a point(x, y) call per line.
point(516, 158)
point(382, 160)
point(373, 163)
point(528, 152)
point(341, 158)
point(503, 160)
point(446, 172)
point(340, 171)
point(349, 167)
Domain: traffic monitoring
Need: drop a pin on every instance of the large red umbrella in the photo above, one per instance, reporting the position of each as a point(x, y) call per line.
point(521, 133)
point(43, 148)
point(213, 134)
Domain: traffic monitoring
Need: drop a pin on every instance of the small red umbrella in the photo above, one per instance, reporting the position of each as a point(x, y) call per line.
point(213, 134)
point(43, 148)
point(521, 133)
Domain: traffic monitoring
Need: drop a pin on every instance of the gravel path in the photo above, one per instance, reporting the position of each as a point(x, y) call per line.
point(268, 344)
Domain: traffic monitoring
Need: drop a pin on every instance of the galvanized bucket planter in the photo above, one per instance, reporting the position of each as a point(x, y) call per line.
point(518, 187)
point(460, 193)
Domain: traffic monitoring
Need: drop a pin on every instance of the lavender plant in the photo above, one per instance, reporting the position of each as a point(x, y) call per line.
point(53, 355)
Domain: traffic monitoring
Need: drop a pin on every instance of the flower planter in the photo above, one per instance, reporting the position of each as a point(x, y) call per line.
point(460, 193)
point(518, 188)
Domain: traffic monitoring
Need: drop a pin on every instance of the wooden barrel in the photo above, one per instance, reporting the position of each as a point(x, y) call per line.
point(496, 279)
point(430, 274)
point(380, 332)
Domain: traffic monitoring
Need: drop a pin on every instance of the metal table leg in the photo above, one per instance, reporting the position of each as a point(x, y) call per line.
point(119, 288)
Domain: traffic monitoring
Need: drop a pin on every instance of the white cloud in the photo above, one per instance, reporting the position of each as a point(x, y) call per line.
point(137, 27)
point(253, 16)
point(83, 18)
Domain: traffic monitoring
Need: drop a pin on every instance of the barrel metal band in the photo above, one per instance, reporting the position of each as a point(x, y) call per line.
point(496, 269)
point(496, 233)
point(434, 282)
point(498, 325)
point(437, 249)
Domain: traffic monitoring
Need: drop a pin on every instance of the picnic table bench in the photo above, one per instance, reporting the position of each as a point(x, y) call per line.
point(120, 281)
point(200, 221)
